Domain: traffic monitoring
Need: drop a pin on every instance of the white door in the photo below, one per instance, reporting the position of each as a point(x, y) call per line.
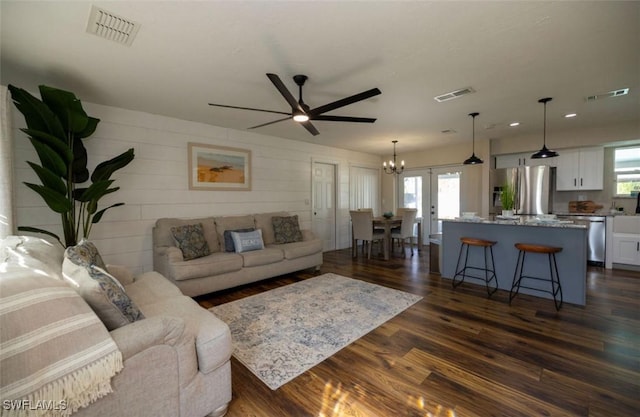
point(414, 193)
point(324, 208)
point(445, 196)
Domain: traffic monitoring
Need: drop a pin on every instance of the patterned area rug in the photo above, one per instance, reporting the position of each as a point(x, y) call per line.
point(281, 333)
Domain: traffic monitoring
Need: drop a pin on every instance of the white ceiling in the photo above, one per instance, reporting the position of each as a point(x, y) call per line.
point(187, 54)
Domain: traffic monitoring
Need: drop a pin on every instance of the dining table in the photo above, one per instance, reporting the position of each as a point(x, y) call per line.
point(389, 223)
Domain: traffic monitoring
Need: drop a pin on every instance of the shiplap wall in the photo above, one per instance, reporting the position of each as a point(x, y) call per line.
point(155, 184)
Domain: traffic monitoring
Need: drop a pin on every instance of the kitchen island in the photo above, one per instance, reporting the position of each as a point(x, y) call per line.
point(572, 261)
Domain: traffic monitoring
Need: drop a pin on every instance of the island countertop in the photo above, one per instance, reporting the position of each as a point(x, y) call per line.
point(572, 260)
point(522, 221)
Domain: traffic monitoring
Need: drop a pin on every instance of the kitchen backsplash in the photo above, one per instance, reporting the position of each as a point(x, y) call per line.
point(561, 201)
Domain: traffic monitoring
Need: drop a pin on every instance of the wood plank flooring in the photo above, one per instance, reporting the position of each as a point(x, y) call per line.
point(457, 353)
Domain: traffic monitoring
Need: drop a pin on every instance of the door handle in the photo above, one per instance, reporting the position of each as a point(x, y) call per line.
point(580, 182)
point(575, 182)
point(637, 246)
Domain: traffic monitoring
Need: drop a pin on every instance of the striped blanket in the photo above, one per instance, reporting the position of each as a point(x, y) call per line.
point(55, 354)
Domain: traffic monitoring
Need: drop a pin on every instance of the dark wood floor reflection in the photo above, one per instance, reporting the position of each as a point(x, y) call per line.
point(457, 353)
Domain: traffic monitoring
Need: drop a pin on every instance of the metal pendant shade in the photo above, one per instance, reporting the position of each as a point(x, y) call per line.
point(473, 159)
point(544, 152)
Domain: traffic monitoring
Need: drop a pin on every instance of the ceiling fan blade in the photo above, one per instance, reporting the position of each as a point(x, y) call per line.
point(345, 102)
point(247, 108)
point(285, 93)
point(344, 119)
point(311, 128)
point(270, 123)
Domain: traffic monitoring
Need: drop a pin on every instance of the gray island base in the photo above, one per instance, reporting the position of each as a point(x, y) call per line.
point(572, 261)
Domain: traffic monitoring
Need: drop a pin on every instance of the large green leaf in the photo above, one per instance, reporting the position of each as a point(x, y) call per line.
point(37, 230)
point(80, 171)
point(49, 179)
point(89, 129)
point(94, 192)
point(50, 158)
point(36, 114)
point(56, 201)
point(98, 216)
point(51, 141)
point(67, 107)
point(105, 169)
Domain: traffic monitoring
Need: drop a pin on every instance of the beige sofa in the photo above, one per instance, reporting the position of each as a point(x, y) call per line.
point(173, 362)
point(222, 269)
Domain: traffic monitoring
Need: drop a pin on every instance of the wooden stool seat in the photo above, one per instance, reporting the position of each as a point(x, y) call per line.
point(489, 270)
point(553, 278)
point(530, 247)
point(472, 241)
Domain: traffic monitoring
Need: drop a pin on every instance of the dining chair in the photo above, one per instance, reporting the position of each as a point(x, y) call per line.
point(406, 229)
point(362, 225)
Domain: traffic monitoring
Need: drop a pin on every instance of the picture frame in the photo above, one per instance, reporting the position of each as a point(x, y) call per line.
point(220, 168)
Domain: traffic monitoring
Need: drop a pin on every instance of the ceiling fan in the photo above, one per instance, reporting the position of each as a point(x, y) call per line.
point(302, 113)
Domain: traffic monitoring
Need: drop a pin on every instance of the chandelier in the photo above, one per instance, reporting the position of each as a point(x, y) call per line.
point(393, 167)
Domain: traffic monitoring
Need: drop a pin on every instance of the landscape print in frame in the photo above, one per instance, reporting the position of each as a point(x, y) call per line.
point(214, 167)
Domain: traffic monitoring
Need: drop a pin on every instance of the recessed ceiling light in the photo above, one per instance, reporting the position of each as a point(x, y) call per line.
point(569, 115)
point(514, 124)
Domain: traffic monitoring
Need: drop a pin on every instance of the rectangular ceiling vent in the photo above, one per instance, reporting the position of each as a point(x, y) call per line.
point(614, 93)
point(110, 26)
point(454, 94)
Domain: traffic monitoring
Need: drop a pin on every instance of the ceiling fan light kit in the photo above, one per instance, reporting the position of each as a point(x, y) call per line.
point(544, 152)
point(302, 113)
point(473, 159)
point(393, 167)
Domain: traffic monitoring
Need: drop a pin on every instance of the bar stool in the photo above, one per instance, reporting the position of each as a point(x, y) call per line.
point(554, 278)
point(487, 246)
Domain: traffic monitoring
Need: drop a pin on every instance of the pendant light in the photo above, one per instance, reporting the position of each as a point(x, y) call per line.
point(473, 159)
point(544, 152)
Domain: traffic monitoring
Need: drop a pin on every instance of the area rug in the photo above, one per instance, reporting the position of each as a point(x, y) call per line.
point(281, 333)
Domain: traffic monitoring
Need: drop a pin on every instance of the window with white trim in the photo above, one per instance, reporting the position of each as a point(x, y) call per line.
point(627, 171)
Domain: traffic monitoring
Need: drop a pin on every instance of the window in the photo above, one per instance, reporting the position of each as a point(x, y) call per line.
point(412, 197)
point(627, 171)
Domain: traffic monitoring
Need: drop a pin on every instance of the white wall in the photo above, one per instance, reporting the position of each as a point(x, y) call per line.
point(155, 184)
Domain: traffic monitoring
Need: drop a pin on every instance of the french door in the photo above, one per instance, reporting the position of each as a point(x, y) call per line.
point(435, 192)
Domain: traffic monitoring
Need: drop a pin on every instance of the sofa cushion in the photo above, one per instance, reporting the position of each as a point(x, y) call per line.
point(213, 338)
point(247, 241)
point(149, 287)
point(162, 231)
point(101, 291)
point(191, 241)
point(85, 253)
point(286, 229)
point(33, 253)
point(299, 249)
point(263, 221)
point(215, 264)
point(262, 257)
point(228, 239)
point(232, 223)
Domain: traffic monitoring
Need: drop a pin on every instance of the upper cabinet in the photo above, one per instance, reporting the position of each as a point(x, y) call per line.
point(521, 159)
point(580, 169)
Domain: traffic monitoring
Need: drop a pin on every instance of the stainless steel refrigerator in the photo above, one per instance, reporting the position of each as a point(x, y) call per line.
point(534, 189)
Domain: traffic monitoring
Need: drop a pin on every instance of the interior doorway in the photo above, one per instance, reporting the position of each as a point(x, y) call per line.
point(323, 189)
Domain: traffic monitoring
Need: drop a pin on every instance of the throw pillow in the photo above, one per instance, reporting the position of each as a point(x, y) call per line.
point(247, 241)
point(286, 229)
point(104, 294)
point(85, 253)
point(191, 241)
point(229, 246)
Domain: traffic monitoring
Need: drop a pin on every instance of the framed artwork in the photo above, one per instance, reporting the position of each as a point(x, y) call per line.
point(214, 167)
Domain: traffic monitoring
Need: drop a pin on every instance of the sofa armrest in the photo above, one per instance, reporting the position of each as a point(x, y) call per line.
point(141, 335)
point(307, 234)
point(121, 273)
point(171, 253)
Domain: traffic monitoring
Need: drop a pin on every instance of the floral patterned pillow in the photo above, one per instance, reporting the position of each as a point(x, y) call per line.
point(286, 229)
point(85, 253)
point(191, 241)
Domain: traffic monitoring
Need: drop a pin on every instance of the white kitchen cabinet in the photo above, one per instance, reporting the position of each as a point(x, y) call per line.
point(521, 159)
point(626, 240)
point(580, 169)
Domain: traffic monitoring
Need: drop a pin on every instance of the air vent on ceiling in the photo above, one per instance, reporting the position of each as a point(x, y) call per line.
point(110, 26)
point(454, 94)
point(448, 131)
point(614, 93)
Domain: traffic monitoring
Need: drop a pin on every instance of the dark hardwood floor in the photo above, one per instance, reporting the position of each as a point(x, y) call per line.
point(457, 353)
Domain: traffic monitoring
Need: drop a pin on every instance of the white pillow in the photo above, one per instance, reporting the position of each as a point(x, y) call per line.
point(247, 241)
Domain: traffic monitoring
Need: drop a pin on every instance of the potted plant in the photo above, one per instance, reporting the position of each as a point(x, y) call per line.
point(56, 127)
point(508, 199)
